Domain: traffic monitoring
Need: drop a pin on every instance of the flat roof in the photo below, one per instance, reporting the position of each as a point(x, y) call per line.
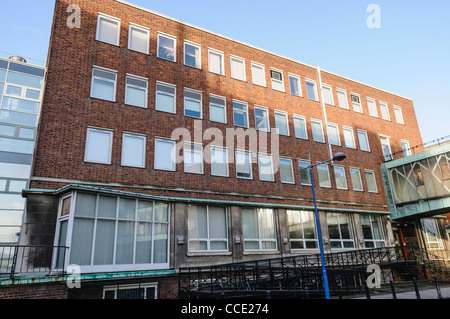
point(251, 46)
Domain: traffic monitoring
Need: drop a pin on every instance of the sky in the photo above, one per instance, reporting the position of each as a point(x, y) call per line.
point(409, 54)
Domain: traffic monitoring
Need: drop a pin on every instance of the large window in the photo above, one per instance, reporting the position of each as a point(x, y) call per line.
point(349, 138)
point(265, 166)
point(133, 150)
point(277, 80)
point(240, 114)
point(237, 68)
point(258, 226)
point(243, 165)
point(327, 93)
point(165, 97)
point(108, 29)
point(258, 74)
point(193, 158)
point(103, 84)
point(219, 161)
point(207, 228)
point(340, 231)
point(317, 131)
point(164, 155)
point(363, 141)
point(305, 175)
point(286, 170)
point(217, 109)
point(295, 86)
point(166, 47)
point(302, 229)
point(281, 123)
point(215, 62)
point(432, 234)
point(98, 146)
point(355, 175)
point(192, 54)
point(341, 179)
point(311, 90)
point(107, 233)
point(138, 38)
point(373, 231)
point(192, 103)
point(262, 119)
point(136, 91)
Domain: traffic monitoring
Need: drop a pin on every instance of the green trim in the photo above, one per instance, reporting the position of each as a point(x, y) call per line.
point(196, 200)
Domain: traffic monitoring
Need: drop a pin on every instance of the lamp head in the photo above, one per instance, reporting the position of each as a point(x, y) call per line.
point(339, 157)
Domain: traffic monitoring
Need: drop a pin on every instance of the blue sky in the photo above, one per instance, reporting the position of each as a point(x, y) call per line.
point(409, 55)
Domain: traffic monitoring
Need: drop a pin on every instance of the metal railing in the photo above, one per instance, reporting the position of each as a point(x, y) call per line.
point(22, 260)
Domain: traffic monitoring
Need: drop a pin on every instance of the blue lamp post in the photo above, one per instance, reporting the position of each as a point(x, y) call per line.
point(336, 157)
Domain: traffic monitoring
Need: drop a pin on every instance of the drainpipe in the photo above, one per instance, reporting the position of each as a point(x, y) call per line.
point(324, 113)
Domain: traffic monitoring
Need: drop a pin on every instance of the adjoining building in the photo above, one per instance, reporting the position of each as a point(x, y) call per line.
point(163, 145)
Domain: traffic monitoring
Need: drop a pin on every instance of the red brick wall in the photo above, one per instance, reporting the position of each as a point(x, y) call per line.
point(34, 291)
point(68, 109)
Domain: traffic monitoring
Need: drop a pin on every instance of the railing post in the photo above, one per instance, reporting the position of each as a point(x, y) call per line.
point(394, 295)
point(14, 261)
point(416, 288)
point(366, 289)
point(437, 287)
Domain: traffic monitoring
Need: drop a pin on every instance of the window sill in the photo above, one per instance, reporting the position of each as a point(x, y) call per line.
point(208, 253)
point(259, 252)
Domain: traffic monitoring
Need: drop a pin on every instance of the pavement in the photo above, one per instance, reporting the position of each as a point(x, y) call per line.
point(406, 290)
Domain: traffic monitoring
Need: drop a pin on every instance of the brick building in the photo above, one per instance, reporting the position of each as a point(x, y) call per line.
point(163, 145)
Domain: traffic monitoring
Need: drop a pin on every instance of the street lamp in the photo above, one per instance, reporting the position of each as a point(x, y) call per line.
point(337, 157)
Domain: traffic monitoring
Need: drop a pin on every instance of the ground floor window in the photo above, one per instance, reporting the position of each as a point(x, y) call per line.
point(138, 291)
point(340, 231)
point(373, 231)
point(302, 229)
point(431, 233)
point(258, 226)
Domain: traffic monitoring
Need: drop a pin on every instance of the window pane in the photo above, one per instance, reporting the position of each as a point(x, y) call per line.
point(102, 89)
point(258, 76)
point(14, 90)
point(281, 124)
point(127, 208)
point(133, 151)
point(11, 103)
point(324, 177)
point(250, 223)
point(16, 146)
point(18, 118)
point(219, 162)
point(160, 243)
point(356, 179)
point(217, 113)
point(311, 90)
point(305, 176)
point(363, 142)
point(25, 80)
point(98, 146)
point(165, 102)
point(217, 222)
point(193, 158)
point(327, 95)
point(215, 62)
point(108, 30)
point(192, 108)
point(261, 119)
point(398, 115)
point(192, 55)
point(166, 49)
point(294, 84)
point(81, 247)
point(333, 134)
point(373, 108)
point(138, 40)
point(107, 206)
point(104, 242)
point(125, 242)
point(143, 243)
point(265, 168)
point(349, 138)
point(136, 96)
point(342, 98)
point(145, 210)
point(341, 181)
point(161, 212)
point(237, 69)
point(286, 170)
point(240, 114)
point(164, 155)
point(243, 165)
point(300, 128)
point(317, 131)
point(371, 183)
point(85, 205)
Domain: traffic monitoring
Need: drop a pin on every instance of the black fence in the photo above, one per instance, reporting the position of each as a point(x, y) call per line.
point(31, 260)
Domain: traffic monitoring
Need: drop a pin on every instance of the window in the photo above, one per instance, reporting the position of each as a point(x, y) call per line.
point(193, 158)
point(305, 175)
point(355, 175)
point(327, 94)
point(317, 131)
point(136, 91)
point(164, 155)
point(109, 233)
point(339, 174)
point(277, 80)
point(217, 109)
point(192, 55)
point(398, 115)
point(165, 97)
point(133, 150)
point(138, 38)
point(108, 29)
point(372, 106)
point(192, 103)
point(444, 166)
point(300, 127)
point(295, 86)
point(356, 102)
point(372, 231)
point(340, 231)
point(243, 165)
point(167, 47)
point(432, 235)
point(371, 181)
point(324, 175)
point(286, 170)
point(219, 161)
point(237, 68)
point(333, 134)
point(240, 114)
point(207, 228)
point(265, 166)
point(215, 62)
point(385, 111)
point(258, 74)
point(262, 119)
point(140, 291)
point(103, 84)
point(281, 123)
point(311, 90)
point(259, 229)
point(98, 146)
point(342, 99)
point(363, 141)
point(302, 229)
point(405, 147)
point(386, 148)
point(349, 138)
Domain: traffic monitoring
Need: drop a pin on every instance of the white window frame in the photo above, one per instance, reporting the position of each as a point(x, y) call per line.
point(308, 172)
point(372, 110)
point(117, 288)
point(386, 138)
point(134, 135)
point(276, 82)
point(285, 115)
point(259, 239)
point(356, 169)
point(261, 66)
point(272, 174)
point(193, 148)
point(336, 127)
point(349, 129)
point(301, 118)
point(438, 243)
point(342, 240)
point(140, 28)
point(247, 154)
point(328, 173)
point(358, 131)
point(201, 102)
point(266, 111)
point(385, 115)
point(398, 115)
point(140, 78)
point(299, 82)
point(196, 45)
point(408, 149)
point(110, 18)
point(102, 130)
point(224, 106)
point(303, 240)
point(213, 147)
point(165, 140)
point(328, 87)
point(321, 127)
point(103, 79)
point(174, 95)
point(222, 61)
point(281, 158)
point(342, 91)
point(246, 106)
point(358, 108)
point(174, 38)
point(238, 59)
point(316, 94)
point(341, 167)
point(371, 172)
point(374, 241)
